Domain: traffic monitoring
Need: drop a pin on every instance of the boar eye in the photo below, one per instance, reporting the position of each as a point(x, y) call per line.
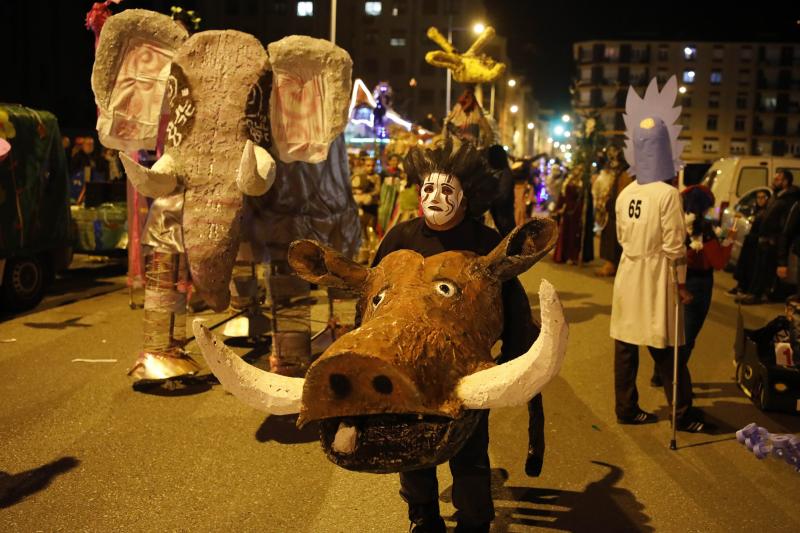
point(446, 288)
point(378, 298)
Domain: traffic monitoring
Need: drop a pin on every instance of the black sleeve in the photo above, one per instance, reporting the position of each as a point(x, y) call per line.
point(519, 330)
point(791, 230)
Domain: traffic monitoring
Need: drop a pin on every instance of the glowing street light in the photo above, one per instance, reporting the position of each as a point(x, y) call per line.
point(512, 82)
point(682, 89)
point(549, 139)
point(478, 28)
point(556, 144)
point(565, 118)
point(514, 108)
point(559, 130)
point(567, 133)
point(530, 125)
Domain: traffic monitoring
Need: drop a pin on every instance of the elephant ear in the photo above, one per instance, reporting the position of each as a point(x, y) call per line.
point(311, 87)
point(129, 78)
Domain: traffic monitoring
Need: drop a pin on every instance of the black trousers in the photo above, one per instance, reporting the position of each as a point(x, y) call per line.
point(626, 366)
point(766, 265)
point(471, 476)
point(472, 488)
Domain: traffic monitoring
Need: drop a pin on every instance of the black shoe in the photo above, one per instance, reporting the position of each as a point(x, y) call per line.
point(642, 417)
point(432, 525)
point(482, 528)
point(696, 425)
point(751, 299)
point(533, 463)
point(655, 381)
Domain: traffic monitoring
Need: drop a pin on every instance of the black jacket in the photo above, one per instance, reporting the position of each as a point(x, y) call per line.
point(789, 239)
point(778, 211)
point(519, 331)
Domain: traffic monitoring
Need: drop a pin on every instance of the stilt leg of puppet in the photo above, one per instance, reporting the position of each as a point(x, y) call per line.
point(162, 356)
point(291, 323)
point(535, 458)
point(245, 297)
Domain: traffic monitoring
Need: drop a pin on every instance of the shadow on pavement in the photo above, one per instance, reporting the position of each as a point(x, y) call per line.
point(585, 312)
point(283, 429)
point(16, 487)
point(602, 506)
point(730, 416)
point(69, 323)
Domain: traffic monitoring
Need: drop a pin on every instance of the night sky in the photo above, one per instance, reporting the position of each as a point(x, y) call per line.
point(47, 53)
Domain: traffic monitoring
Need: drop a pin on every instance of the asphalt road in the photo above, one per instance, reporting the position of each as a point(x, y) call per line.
point(82, 451)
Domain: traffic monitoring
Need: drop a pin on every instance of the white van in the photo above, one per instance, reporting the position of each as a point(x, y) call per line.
point(731, 177)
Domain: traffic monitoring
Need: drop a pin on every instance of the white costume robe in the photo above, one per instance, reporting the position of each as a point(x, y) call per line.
point(651, 230)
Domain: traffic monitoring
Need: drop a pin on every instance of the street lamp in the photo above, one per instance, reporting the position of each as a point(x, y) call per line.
point(682, 89)
point(565, 118)
point(559, 130)
point(512, 82)
point(514, 108)
point(478, 28)
point(530, 125)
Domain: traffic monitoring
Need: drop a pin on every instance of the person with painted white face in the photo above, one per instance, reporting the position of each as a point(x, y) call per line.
point(457, 187)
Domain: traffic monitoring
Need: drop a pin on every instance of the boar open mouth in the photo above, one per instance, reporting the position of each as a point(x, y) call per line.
point(389, 443)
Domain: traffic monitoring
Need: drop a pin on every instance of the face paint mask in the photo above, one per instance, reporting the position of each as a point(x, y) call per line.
point(441, 196)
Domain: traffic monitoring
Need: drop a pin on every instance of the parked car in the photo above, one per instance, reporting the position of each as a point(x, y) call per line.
point(744, 212)
point(730, 178)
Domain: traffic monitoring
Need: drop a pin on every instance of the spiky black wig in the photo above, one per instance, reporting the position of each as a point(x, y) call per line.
point(464, 162)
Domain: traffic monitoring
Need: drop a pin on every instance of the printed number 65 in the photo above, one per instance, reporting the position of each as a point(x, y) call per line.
point(635, 209)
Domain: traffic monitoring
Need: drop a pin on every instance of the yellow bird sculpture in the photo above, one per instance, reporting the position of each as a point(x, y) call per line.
point(469, 67)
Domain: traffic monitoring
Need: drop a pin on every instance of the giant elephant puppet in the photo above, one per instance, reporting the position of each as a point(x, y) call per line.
point(402, 391)
point(232, 106)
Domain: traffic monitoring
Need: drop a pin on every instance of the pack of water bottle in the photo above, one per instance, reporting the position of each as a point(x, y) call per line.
point(763, 444)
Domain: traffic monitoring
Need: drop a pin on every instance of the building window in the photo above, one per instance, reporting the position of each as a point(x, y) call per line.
point(769, 103)
point(686, 121)
point(690, 53)
point(612, 53)
point(688, 76)
point(738, 146)
point(686, 101)
point(305, 9)
point(716, 77)
point(746, 53)
point(280, 8)
point(397, 41)
point(663, 53)
point(738, 123)
point(718, 53)
point(713, 100)
point(687, 144)
point(710, 146)
point(741, 101)
point(711, 123)
point(373, 9)
point(370, 36)
point(395, 11)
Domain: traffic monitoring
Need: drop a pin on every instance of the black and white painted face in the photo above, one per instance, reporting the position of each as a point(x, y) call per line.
point(441, 196)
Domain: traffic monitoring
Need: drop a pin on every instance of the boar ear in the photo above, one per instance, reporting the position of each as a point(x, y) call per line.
point(316, 263)
point(520, 249)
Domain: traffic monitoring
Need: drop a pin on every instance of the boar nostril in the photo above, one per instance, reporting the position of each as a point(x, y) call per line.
point(382, 384)
point(340, 385)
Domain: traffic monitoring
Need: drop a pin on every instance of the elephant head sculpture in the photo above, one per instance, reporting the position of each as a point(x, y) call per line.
point(231, 104)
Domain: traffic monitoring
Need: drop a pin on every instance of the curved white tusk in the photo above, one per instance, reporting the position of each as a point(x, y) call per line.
point(519, 380)
point(256, 172)
point(151, 182)
point(265, 391)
